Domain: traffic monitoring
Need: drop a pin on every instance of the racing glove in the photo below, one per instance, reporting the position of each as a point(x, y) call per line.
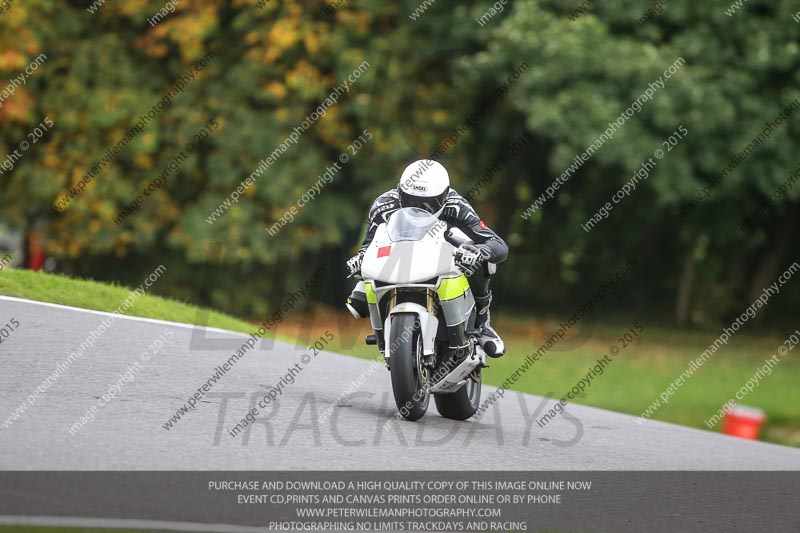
point(469, 256)
point(354, 265)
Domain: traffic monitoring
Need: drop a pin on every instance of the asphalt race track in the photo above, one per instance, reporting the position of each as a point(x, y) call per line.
point(294, 432)
point(125, 470)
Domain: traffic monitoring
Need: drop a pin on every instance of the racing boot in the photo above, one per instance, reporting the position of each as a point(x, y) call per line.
point(357, 302)
point(489, 340)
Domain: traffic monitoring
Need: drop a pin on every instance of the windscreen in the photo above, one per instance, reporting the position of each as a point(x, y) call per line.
point(410, 224)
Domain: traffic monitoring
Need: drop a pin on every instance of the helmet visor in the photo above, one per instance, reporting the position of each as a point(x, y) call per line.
point(431, 204)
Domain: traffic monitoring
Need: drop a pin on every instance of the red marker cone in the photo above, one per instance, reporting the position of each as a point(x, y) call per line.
point(743, 422)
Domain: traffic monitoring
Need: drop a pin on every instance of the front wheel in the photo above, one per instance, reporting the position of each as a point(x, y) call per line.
point(463, 403)
point(409, 375)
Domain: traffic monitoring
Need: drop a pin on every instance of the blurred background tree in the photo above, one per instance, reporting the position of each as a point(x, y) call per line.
point(273, 64)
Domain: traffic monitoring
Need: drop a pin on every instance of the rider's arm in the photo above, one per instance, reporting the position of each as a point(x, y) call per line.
point(481, 234)
point(462, 215)
point(383, 206)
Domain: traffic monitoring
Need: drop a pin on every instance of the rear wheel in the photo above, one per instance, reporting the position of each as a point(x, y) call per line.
point(409, 375)
point(463, 403)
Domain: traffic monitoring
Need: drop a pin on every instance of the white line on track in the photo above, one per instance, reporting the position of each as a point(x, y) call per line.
point(123, 317)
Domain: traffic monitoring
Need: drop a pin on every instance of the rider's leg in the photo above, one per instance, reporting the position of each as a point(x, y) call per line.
point(479, 284)
point(357, 301)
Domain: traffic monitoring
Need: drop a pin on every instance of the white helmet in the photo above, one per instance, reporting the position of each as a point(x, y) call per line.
point(424, 184)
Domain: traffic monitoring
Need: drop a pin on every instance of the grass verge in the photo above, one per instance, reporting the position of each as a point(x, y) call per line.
point(87, 294)
point(629, 384)
point(635, 378)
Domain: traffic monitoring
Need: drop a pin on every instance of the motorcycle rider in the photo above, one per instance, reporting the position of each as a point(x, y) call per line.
point(425, 184)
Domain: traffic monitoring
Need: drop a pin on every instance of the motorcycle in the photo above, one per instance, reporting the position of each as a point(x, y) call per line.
point(423, 313)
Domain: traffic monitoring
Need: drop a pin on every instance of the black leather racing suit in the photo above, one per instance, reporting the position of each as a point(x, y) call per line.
point(457, 213)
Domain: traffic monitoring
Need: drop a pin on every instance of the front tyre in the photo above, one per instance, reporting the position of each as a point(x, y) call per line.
point(463, 403)
point(409, 375)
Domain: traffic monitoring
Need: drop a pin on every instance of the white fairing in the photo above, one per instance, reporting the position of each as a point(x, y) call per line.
point(410, 248)
point(428, 326)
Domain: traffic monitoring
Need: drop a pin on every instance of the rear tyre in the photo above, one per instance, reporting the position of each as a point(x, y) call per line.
point(463, 403)
point(409, 376)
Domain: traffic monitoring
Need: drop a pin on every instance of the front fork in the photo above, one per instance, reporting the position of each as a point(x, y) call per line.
point(462, 342)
